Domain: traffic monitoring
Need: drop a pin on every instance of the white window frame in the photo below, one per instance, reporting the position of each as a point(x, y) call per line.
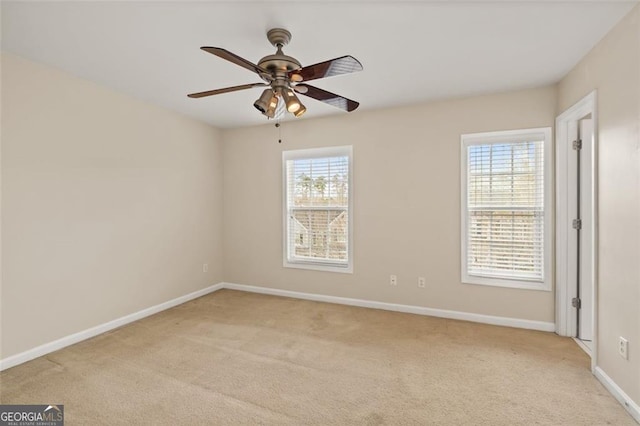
point(466, 140)
point(288, 262)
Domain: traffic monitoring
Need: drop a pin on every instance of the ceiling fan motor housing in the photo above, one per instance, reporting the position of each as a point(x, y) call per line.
point(279, 63)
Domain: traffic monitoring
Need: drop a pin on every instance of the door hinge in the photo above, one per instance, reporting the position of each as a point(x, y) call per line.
point(575, 302)
point(577, 224)
point(577, 144)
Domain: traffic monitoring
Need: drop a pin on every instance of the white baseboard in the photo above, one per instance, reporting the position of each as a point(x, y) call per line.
point(102, 328)
point(619, 394)
point(419, 310)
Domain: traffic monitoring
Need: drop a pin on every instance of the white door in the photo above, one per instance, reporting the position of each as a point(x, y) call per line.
point(585, 200)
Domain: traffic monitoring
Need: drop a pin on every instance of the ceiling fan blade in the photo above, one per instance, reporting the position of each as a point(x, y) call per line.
point(337, 66)
point(329, 98)
point(232, 57)
point(226, 90)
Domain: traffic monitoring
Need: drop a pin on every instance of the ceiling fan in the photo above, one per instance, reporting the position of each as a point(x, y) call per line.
point(284, 77)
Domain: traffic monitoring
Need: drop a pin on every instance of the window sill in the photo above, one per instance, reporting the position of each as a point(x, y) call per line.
point(507, 283)
point(347, 269)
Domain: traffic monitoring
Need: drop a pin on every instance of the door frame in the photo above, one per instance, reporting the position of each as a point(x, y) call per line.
point(565, 313)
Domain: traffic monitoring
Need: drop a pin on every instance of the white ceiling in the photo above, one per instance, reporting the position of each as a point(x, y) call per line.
point(411, 51)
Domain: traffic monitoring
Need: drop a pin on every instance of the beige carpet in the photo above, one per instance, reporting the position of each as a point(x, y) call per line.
point(241, 358)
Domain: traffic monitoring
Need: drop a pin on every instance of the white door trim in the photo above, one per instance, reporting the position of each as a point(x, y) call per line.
point(565, 313)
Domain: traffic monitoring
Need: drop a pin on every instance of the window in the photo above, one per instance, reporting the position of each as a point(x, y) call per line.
point(317, 209)
point(506, 208)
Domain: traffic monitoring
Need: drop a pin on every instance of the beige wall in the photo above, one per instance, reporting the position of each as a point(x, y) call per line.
point(110, 205)
point(407, 203)
point(613, 68)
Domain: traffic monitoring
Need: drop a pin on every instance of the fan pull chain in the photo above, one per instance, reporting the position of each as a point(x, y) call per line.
point(279, 131)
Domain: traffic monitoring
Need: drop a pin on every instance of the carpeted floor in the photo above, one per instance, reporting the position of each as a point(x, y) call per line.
point(240, 358)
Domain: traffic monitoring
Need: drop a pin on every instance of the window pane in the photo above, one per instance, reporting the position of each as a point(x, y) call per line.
point(506, 174)
point(319, 234)
point(506, 244)
point(320, 181)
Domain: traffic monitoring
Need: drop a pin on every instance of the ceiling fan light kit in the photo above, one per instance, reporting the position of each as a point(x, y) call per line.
point(291, 100)
point(273, 105)
point(285, 76)
point(262, 104)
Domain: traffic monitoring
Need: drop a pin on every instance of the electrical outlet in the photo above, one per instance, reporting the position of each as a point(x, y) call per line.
point(393, 280)
point(623, 347)
point(422, 282)
point(205, 267)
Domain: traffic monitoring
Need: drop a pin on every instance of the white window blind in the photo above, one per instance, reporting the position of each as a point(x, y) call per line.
point(317, 212)
point(506, 207)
